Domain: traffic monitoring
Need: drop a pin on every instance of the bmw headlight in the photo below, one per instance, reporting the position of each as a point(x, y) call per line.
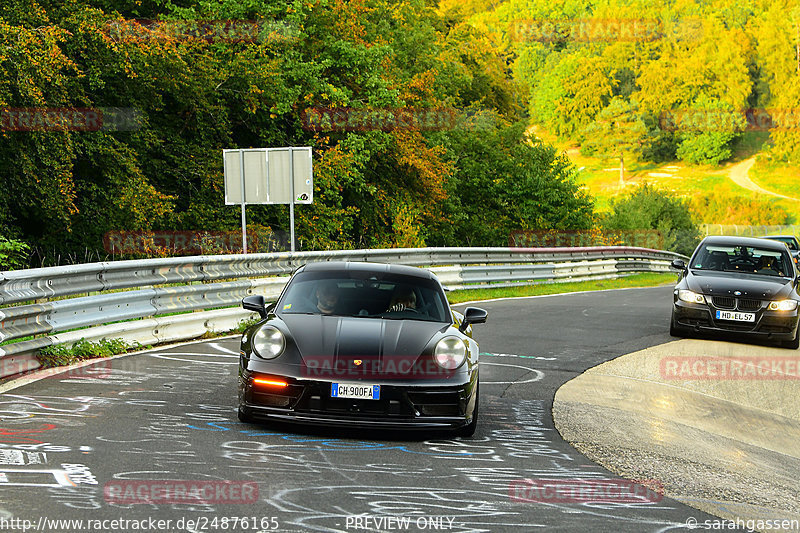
point(691, 297)
point(268, 342)
point(450, 353)
point(783, 305)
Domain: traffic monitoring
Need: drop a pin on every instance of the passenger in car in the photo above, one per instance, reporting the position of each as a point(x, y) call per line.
point(767, 265)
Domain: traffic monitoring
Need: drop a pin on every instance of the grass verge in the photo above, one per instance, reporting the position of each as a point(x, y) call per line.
point(648, 279)
point(62, 355)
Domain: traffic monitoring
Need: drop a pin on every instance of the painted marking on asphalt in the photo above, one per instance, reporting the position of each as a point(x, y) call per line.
point(539, 375)
point(201, 361)
point(540, 358)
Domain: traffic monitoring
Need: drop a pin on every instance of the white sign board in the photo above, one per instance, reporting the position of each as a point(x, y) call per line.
point(268, 176)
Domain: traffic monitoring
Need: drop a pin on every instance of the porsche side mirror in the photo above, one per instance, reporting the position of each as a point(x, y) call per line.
point(678, 264)
point(473, 315)
point(255, 303)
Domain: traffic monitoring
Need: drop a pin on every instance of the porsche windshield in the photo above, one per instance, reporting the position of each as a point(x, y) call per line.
point(390, 297)
point(745, 259)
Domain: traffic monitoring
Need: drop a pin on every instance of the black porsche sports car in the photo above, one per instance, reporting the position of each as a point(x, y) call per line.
point(351, 344)
point(738, 285)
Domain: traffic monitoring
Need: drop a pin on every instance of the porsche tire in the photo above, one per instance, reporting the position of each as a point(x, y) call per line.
point(469, 429)
point(245, 417)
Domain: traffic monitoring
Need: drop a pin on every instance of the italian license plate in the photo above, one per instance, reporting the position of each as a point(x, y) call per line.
point(733, 315)
point(356, 391)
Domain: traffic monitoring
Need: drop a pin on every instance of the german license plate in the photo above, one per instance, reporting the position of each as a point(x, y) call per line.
point(356, 391)
point(733, 315)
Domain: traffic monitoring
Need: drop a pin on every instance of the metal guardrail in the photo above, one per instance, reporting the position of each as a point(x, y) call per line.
point(141, 301)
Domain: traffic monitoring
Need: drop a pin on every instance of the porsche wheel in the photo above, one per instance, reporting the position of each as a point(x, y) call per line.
point(244, 417)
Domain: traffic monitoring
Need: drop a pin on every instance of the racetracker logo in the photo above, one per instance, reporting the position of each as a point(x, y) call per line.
point(604, 30)
point(373, 367)
point(180, 491)
point(210, 31)
point(720, 120)
point(370, 119)
point(646, 238)
point(69, 119)
point(730, 368)
point(97, 370)
point(585, 491)
point(191, 242)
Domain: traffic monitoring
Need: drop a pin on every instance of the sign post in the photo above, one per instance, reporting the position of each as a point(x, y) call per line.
point(244, 215)
point(268, 176)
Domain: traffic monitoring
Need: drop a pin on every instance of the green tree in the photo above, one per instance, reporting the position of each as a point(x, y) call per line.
point(712, 126)
point(618, 131)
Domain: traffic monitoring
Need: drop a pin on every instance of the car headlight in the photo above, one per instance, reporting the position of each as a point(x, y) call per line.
point(450, 353)
point(268, 342)
point(783, 305)
point(691, 297)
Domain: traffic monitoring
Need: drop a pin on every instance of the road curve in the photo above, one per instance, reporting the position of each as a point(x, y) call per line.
point(713, 421)
point(739, 174)
point(95, 443)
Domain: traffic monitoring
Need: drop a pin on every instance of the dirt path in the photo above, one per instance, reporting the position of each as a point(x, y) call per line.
point(739, 174)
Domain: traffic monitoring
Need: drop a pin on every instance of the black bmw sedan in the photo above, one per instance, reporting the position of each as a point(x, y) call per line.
point(350, 344)
point(738, 285)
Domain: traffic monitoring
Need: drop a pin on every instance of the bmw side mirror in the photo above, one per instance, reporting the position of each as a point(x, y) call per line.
point(473, 315)
point(678, 264)
point(255, 303)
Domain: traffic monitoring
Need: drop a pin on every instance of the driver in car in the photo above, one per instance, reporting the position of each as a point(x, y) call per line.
point(403, 299)
point(327, 296)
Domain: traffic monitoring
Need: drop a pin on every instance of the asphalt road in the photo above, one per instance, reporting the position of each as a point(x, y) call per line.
point(92, 445)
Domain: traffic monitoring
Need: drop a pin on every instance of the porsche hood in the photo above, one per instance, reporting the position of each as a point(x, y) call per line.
point(362, 346)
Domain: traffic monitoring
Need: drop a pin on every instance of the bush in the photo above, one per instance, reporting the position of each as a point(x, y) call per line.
point(61, 355)
point(13, 254)
point(711, 128)
point(708, 148)
point(650, 208)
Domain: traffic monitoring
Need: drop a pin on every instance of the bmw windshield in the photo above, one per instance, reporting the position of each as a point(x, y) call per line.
point(743, 259)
